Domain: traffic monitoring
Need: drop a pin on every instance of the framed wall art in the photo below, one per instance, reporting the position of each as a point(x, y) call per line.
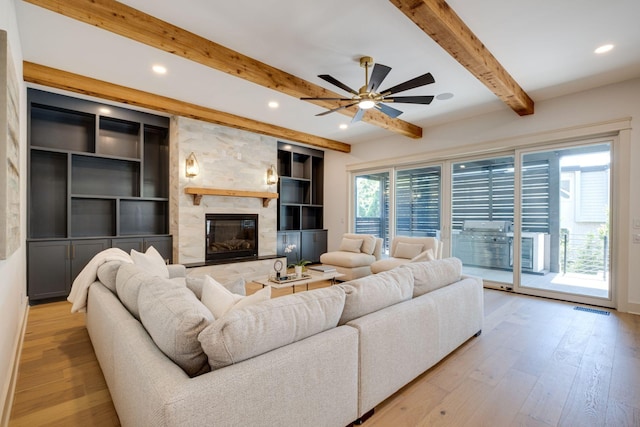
point(9, 152)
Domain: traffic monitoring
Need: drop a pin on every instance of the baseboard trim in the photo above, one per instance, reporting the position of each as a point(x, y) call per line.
point(10, 388)
point(633, 308)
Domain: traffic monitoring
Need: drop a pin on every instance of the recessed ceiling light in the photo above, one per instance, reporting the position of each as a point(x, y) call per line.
point(159, 69)
point(604, 48)
point(343, 126)
point(444, 96)
point(273, 104)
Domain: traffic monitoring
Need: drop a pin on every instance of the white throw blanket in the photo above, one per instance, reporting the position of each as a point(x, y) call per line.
point(89, 274)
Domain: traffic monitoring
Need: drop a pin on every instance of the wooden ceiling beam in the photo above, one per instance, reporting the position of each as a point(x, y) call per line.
point(40, 74)
point(444, 26)
point(128, 22)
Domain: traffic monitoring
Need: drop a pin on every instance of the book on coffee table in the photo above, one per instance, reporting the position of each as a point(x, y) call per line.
point(323, 268)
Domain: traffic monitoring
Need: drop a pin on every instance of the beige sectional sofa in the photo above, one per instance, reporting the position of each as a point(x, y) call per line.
point(325, 357)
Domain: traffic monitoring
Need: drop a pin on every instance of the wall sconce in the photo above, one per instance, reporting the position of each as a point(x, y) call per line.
point(272, 175)
point(191, 167)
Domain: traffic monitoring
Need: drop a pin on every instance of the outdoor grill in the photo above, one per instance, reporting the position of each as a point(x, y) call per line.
point(485, 244)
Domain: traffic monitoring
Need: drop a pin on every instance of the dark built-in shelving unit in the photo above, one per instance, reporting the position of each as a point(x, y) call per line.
point(98, 178)
point(300, 202)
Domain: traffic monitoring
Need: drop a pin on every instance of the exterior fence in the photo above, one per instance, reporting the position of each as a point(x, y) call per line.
point(585, 254)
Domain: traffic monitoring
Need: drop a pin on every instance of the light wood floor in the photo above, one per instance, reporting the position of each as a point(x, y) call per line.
point(537, 363)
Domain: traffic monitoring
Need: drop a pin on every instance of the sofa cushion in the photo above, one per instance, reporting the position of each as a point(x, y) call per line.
point(431, 275)
point(236, 286)
point(372, 293)
point(368, 241)
point(387, 264)
point(427, 255)
point(174, 317)
point(263, 327)
point(351, 245)
point(107, 273)
point(219, 300)
point(151, 262)
point(407, 250)
point(347, 259)
point(129, 280)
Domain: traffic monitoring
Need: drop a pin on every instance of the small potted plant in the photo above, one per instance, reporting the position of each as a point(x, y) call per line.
point(300, 263)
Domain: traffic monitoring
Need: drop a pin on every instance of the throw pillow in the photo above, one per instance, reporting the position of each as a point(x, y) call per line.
point(372, 293)
point(368, 241)
point(129, 280)
point(174, 317)
point(219, 300)
point(424, 256)
point(431, 275)
point(351, 245)
point(237, 286)
point(151, 261)
point(407, 250)
point(260, 328)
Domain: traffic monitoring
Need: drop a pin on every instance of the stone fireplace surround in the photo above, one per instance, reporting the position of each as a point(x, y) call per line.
point(229, 159)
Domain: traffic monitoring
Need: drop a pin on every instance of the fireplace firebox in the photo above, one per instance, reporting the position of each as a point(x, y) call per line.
point(231, 237)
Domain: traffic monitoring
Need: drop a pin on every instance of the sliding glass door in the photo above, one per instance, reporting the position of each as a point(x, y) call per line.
point(417, 202)
point(482, 208)
point(564, 223)
point(372, 205)
point(401, 202)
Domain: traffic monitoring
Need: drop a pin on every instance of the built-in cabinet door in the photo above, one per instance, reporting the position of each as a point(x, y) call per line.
point(82, 251)
point(49, 269)
point(127, 244)
point(163, 244)
point(53, 265)
point(313, 243)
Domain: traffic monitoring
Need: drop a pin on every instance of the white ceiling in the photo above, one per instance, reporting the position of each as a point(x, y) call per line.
point(546, 45)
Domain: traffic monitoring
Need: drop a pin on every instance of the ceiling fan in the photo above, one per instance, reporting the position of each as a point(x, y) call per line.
point(368, 96)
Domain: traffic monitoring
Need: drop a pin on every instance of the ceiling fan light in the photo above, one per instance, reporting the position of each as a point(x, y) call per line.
point(366, 104)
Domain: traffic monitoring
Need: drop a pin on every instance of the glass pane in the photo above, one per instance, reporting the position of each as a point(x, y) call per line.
point(417, 208)
point(482, 204)
point(565, 224)
point(372, 205)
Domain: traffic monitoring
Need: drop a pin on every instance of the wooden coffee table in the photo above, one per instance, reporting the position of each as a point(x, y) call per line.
point(309, 277)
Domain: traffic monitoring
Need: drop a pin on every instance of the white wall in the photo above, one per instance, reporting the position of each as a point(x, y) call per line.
point(12, 270)
point(505, 129)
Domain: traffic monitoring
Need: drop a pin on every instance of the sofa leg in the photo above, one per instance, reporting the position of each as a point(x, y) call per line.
point(478, 333)
point(363, 418)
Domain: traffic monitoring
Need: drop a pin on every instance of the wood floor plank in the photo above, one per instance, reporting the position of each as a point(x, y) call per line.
point(502, 405)
point(538, 363)
point(549, 394)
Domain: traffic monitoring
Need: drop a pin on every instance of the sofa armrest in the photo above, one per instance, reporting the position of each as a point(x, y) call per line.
point(176, 270)
point(377, 251)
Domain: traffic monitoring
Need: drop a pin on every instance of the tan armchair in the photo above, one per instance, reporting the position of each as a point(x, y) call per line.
point(407, 249)
point(354, 257)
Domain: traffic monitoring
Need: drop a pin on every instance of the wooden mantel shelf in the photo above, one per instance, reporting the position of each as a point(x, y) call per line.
point(198, 192)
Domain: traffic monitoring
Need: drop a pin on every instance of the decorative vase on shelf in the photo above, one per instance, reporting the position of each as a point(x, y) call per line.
point(298, 269)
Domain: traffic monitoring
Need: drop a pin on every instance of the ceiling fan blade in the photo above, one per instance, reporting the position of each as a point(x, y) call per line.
point(326, 99)
point(358, 115)
point(328, 78)
point(410, 99)
point(389, 111)
point(422, 80)
point(324, 113)
point(377, 76)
